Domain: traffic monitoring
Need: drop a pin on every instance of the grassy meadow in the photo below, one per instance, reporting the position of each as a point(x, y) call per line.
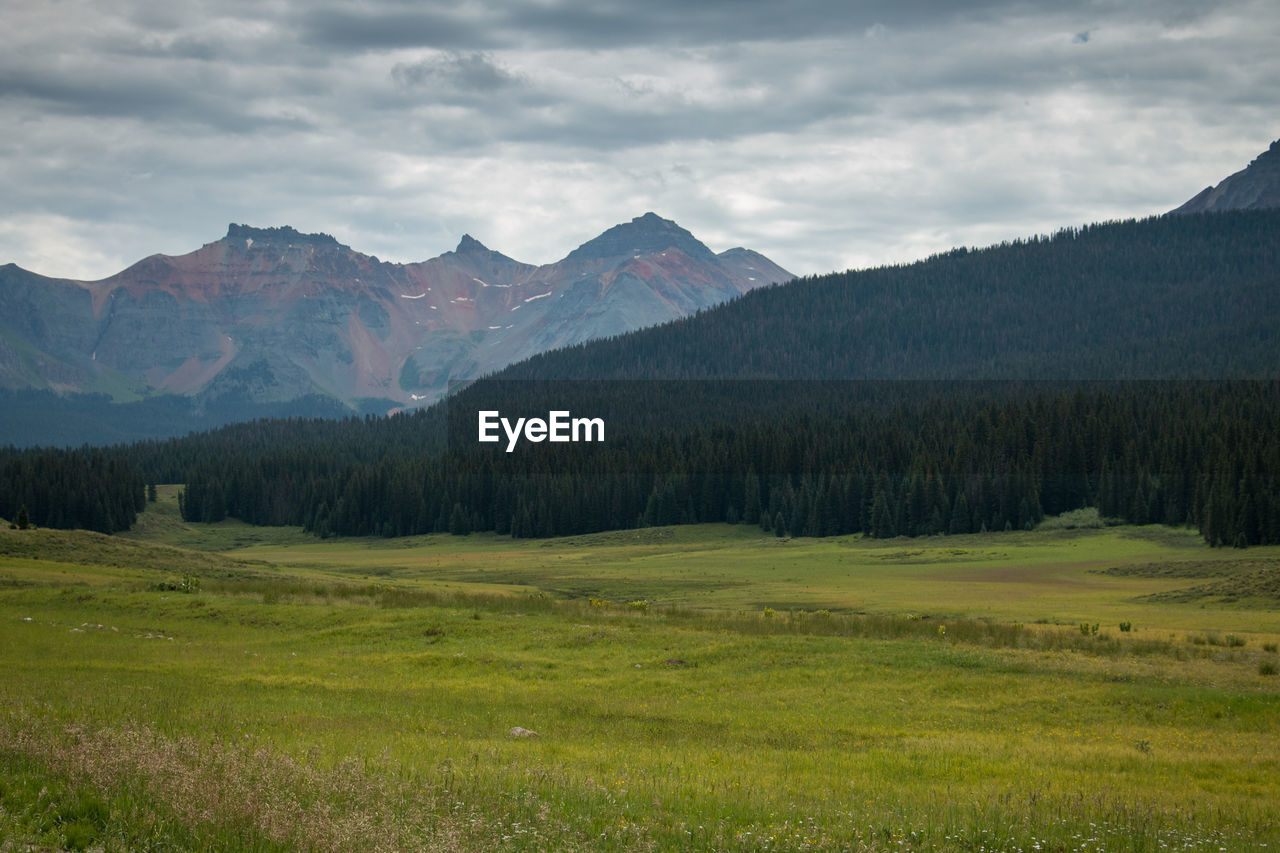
point(710, 687)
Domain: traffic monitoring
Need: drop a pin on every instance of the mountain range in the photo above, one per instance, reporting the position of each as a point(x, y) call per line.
point(270, 315)
point(271, 322)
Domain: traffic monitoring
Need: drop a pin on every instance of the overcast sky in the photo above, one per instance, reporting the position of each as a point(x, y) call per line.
point(825, 134)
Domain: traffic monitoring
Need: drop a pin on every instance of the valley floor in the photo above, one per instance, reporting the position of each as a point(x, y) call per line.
point(711, 687)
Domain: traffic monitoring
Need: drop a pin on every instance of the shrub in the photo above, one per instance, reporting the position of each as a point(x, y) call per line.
point(1087, 517)
point(1267, 668)
point(1269, 647)
point(642, 605)
point(187, 583)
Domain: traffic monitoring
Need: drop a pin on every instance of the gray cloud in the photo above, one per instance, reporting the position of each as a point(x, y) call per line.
point(823, 133)
point(621, 23)
point(469, 72)
point(199, 100)
point(389, 26)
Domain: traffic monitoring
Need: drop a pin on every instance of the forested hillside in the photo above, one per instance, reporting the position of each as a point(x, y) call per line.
point(1168, 297)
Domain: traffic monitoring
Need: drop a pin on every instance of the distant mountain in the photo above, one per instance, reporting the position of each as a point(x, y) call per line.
point(264, 316)
point(1252, 188)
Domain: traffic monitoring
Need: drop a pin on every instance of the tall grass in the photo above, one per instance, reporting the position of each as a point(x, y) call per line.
point(976, 632)
point(240, 794)
point(985, 633)
point(131, 787)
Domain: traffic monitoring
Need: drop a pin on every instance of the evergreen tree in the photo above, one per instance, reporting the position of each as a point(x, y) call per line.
point(960, 520)
point(882, 526)
point(459, 523)
point(751, 501)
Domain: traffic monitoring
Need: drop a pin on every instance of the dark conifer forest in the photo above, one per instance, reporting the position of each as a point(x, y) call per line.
point(1131, 367)
point(88, 488)
point(1146, 452)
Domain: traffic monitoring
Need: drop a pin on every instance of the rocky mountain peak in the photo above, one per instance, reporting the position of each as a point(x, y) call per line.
point(283, 235)
point(644, 235)
point(470, 245)
point(1254, 187)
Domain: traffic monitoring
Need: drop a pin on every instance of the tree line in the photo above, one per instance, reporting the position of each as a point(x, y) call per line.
point(1149, 452)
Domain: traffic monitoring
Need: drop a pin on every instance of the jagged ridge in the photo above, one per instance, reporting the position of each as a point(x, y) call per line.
point(281, 235)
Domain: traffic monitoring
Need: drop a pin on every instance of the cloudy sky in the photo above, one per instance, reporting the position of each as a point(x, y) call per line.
point(826, 134)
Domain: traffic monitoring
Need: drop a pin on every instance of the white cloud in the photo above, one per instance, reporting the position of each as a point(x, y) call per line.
point(61, 247)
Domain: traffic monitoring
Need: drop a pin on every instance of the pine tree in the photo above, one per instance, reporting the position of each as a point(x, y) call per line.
point(459, 523)
point(751, 502)
point(882, 517)
point(917, 511)
point(960, 520)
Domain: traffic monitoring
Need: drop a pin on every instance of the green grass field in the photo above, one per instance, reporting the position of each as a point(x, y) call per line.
point(227, 687)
